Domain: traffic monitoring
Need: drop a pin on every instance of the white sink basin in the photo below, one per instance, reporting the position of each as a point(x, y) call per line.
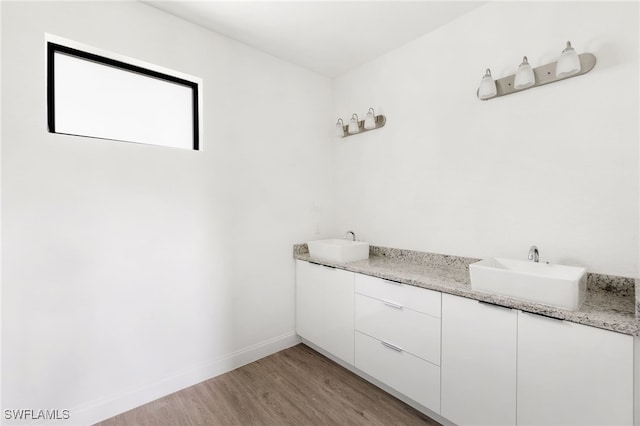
point(555, 285)
point(338, 250)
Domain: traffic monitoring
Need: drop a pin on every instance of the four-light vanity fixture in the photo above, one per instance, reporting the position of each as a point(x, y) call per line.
point(355, 126)
point(570, 64)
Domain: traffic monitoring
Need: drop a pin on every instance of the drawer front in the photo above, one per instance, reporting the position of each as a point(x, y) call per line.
point(409, 375)
point(415, 298)
point(412, 331)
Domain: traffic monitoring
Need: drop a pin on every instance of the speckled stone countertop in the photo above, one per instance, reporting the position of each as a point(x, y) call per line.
point(611, 303)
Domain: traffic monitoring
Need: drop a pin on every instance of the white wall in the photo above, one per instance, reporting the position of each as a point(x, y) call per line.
point(555, 166)
point(132, 270)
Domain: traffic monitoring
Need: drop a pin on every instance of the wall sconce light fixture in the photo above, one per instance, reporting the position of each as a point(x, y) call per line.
point(354, 124)
point(371, 122)
point(340, 128)
point(487, 89)
point(524, 76)
point(570, 64)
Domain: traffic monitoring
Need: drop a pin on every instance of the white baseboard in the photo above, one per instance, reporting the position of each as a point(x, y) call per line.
point(104, 408)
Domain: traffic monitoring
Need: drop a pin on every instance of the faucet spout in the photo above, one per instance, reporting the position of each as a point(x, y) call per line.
point(534, 255)
point(353, 235)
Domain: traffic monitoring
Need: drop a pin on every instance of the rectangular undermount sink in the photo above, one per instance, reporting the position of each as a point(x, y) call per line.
point(338, 250)
point(555, 285)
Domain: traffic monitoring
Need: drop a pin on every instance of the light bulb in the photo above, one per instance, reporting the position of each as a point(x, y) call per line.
point(524, 76)
point(353, 124)
point(487, 89)
point(340, 128)
point(370, 120)
point(568, 63)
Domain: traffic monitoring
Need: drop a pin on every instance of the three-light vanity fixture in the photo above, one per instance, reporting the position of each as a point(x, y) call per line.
point(355, 126)
point(570, 64)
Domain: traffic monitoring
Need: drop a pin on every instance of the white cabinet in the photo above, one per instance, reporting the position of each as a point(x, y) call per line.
point(324, 308)
point(474, 363)
point(397, 338)
point(572, 374)
point(636, 391)
point(501, 366)
point(309, 301)
point(479, 345)
point(337, 309)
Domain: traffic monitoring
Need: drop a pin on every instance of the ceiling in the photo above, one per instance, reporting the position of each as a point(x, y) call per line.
point(328, 37)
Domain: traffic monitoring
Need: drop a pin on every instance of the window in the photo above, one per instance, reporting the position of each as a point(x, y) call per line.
point(101, 97)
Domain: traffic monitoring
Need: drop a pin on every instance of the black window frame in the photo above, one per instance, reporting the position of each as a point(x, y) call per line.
point(53, 48)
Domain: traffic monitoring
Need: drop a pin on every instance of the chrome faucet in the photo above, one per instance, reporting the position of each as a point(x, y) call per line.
point(353, 235)
point(533, 254)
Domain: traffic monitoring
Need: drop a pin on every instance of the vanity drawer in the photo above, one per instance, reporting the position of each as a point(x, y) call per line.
point(414, 332)
point(415, 298)
point(414, 377)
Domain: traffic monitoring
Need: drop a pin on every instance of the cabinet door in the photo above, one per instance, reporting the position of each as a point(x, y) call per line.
point(324, 308)
point(572, 374)
point(478, 362)
point(309, 301)
point(338, 313)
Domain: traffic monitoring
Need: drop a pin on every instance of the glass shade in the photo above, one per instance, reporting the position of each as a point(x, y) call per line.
point(340, 128)
point(370, 120)
point(487, 89)
point(524, 76)
point(353, 124)
point(568, 63)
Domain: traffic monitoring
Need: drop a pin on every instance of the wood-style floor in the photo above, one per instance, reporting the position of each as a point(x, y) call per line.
point(297, 386)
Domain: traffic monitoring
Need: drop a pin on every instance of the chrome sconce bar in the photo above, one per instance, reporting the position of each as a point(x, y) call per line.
point(355, 126)
point(570, 64)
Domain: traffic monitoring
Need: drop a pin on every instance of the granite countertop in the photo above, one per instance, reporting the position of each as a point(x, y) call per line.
point(610, 302)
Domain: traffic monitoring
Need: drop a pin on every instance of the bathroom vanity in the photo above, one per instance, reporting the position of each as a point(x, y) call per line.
point(410, 323)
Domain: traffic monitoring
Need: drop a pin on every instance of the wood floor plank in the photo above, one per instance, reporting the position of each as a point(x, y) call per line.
point(164, 411)
point(297, 386)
